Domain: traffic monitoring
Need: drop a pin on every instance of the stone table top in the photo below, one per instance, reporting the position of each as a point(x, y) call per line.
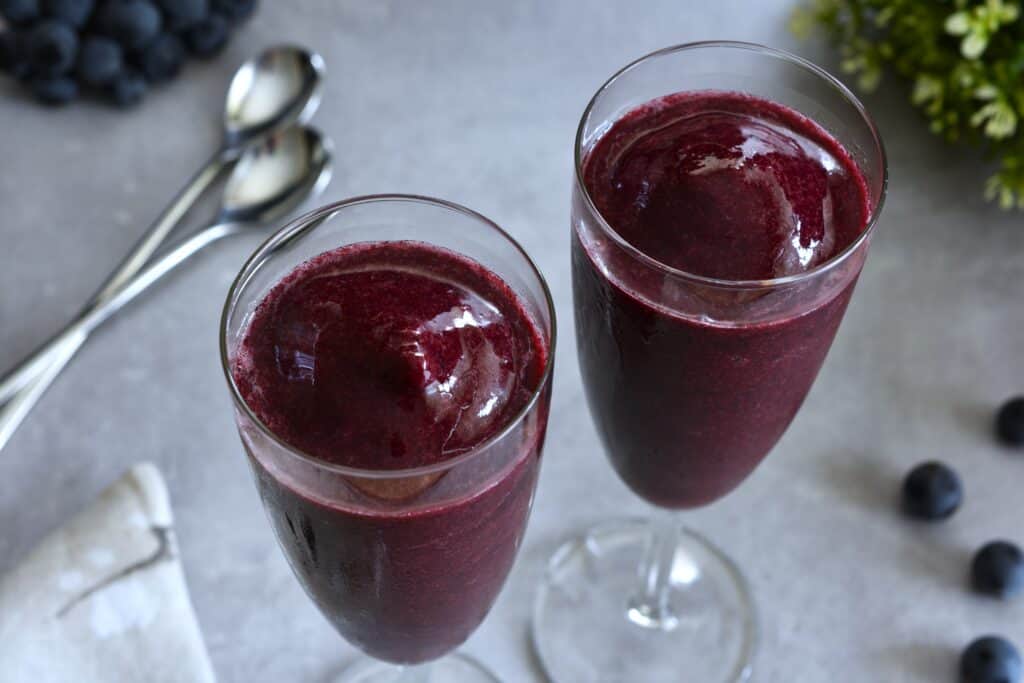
point(478, 102)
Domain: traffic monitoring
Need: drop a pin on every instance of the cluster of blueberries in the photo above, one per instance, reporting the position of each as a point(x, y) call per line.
point(115, 48)
point(933, 492)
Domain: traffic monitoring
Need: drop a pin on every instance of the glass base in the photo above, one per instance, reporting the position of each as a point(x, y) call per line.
point(584, 630)
point(453, 668)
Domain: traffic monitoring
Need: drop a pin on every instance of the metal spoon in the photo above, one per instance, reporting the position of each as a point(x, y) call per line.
point(269, 181)
point(280, 87)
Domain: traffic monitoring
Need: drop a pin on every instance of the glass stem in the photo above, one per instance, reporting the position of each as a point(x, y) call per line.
point(419, 673)
point(650, 606)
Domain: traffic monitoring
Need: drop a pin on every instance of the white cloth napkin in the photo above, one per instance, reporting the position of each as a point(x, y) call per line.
point(104, 599)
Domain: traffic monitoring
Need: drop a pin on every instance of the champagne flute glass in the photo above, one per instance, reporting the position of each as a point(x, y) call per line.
point(404, 563)
point(691, 379)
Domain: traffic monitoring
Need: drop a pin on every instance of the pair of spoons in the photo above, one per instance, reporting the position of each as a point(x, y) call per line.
point(276, 161)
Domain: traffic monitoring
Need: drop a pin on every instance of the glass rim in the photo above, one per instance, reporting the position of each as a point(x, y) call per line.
point(314, 217)
point(767, 283)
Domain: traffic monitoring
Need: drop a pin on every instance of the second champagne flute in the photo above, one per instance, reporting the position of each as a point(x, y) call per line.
point(724, 201)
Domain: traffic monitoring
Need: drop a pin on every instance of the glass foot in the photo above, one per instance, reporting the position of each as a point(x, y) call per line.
point(585, 630)
point(453, 668)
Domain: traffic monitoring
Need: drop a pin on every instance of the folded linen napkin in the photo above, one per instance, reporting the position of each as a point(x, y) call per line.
point(104, 597)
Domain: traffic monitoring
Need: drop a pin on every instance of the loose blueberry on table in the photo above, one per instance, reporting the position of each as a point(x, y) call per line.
point(990, 659)
point(998, 569)
point(113, 49)
point(1010, 422)
point(932, 491)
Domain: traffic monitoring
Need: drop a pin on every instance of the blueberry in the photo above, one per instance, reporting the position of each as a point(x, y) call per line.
point(52, 47)
point(14, 55)
point(10, 53)
point(932, 491)
point(128, 89)
point(162, 59)
point(235, 10)
point(182, 14)
point(209, 37)
point(75, 12)
point(56, 90)
point(133, 23)
point(20, 11)
point(1010, 422)
point(998, 569)
point(99, 61)
point(990, 660)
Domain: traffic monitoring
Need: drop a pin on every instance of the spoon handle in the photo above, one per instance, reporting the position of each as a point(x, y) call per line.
point(21, 374)
point(53, 355)
point(150, 242)
point(14, 411)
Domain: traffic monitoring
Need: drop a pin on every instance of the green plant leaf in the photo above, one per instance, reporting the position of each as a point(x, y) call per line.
point(963, 60)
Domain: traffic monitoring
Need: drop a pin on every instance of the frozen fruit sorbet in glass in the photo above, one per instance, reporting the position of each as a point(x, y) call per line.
point(392, 394)
point(724, 200)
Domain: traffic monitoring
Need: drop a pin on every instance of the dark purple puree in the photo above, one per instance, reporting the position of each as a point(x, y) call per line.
point(384, 356)
point(721, 185)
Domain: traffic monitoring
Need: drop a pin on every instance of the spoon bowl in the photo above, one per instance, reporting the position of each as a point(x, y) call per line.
point(272, 178)
point(279, 87)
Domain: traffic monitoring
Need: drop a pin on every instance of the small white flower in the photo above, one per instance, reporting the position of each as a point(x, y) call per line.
point(986, 91)
point(958, 24)
point(973, 45)
point(999, 118)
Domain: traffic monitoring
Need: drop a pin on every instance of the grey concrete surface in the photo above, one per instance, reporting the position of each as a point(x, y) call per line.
point(478, 102)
